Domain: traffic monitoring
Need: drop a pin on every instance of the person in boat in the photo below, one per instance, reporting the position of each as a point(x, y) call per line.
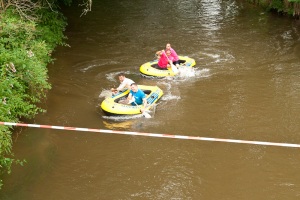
point(136, 97)
point(173, 54)
point(165, 59)
point(124, 83)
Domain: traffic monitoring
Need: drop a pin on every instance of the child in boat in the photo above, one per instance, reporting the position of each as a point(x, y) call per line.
point(165, 59)
point(173, 54)
point(124, 83)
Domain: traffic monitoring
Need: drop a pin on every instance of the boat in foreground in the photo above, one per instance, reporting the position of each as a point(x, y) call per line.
point(151, 69)
point(110, 105)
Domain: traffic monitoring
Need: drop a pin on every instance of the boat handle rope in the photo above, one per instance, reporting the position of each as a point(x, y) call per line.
point(183, 137)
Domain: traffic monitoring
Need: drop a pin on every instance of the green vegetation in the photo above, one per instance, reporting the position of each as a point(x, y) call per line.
point(290, 7)
point(27, 39)
point(29, 32)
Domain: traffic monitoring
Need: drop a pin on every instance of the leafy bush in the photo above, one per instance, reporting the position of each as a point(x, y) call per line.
point(290, 7)
point(277, 5)
point(25, 50)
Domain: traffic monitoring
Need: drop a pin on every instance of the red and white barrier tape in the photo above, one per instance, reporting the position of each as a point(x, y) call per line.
point(152, 134)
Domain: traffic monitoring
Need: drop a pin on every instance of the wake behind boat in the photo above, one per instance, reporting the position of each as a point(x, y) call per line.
point(110, 105)
point(151, 69)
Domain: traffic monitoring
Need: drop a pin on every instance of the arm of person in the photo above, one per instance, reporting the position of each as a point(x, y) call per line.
point(164, 61)
point(114, 91)
point(121, 86)
point(129, 97)
point(145, 103)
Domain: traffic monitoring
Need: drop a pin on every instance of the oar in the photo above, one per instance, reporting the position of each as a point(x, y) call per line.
point(144, 113)
point(173, 67)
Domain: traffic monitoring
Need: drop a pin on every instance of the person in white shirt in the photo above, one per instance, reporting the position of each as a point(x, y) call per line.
point(124, 83)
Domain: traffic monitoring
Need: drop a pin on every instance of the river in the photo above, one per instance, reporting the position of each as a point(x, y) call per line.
point(246, 85)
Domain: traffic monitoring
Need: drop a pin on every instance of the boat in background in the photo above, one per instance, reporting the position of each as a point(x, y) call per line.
point(151, 69)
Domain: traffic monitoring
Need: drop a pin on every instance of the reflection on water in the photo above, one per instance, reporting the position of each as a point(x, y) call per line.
point(118, 125)
point(210, 15)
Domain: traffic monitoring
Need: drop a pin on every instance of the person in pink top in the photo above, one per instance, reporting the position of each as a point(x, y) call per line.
point(165, 59)
point(174, 55)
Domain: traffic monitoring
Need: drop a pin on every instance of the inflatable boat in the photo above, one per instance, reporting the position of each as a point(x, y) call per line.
point(110, 105)
point(151, 68)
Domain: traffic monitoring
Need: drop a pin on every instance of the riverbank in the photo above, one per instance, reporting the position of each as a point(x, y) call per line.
point(26, 45)
point(284, 7)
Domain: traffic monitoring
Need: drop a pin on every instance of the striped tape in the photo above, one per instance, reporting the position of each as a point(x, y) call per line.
point(183, 137)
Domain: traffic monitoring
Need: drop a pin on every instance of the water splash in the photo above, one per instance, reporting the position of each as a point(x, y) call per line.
point(219, 57)
point(205, 72)
point(186, 72)
point(122, 117)
point(191, 73)
point(91, 64)
point(105, 94)
point(112, 76)
point(169, 97)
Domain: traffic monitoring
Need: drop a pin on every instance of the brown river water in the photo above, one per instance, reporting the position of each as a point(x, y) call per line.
point(246, 85)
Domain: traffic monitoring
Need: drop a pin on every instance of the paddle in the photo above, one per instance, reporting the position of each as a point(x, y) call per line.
point(144, 113)
point(173, 67)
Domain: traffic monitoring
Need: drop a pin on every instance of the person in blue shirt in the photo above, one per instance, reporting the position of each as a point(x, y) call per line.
point(137, 96)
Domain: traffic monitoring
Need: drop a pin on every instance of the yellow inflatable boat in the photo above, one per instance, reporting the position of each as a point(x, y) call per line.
point(151, 68)
point(110, 105)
